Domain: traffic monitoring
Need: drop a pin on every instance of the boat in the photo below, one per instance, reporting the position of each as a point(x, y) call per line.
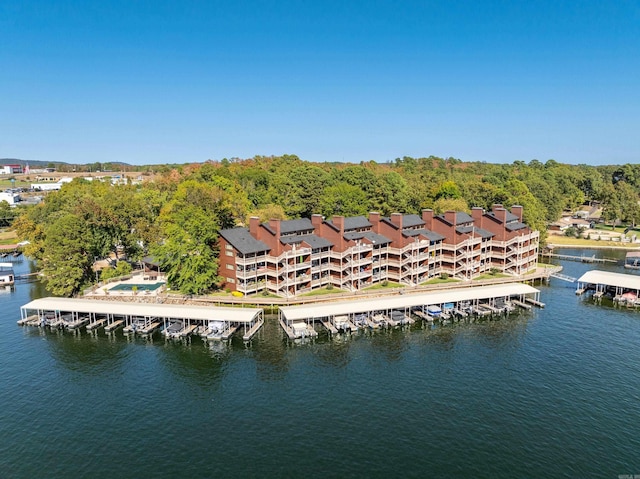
point(629, 298)
point(401, 318)
point(302, 329)
point(377, 321)
point(632, 260)
point(7, 276)
point(343, 324)
point(173, 329)
point(360, 320)
point(215, 330)
point(434, 312)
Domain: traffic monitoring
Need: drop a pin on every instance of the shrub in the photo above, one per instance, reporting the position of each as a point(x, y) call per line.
point(444, 275)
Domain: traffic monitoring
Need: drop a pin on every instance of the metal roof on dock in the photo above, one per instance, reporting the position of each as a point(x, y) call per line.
point(630, 281)
point(121, 308)
point(402, 301)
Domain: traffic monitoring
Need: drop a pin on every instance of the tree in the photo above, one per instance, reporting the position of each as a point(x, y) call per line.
point(447, 190)
point(299, 192)
point(67, 258)
point(123, 268)
point(450, 204)
point(392, 193)
point(343, 199)
point(267, 213)
point(189, 226)
point(7, 214)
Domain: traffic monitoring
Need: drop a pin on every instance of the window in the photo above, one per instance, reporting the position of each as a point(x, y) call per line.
point(229, 253)
point(230, 266)
point(228, 246)
point(231, 280)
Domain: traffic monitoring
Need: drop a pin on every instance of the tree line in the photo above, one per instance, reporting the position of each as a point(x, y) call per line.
point(176, 217)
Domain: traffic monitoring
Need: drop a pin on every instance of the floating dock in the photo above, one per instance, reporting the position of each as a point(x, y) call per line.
point(521, 304)
point(376, 311)
point(582, 259)
point(138, 318)
point(617, 285)
point(253, 330)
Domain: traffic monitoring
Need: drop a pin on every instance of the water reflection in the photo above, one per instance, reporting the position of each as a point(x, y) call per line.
point(334, 353)
point(83, 353)
point(271, 351)
point(391, 344)
point(195, 362)
point(503, 332)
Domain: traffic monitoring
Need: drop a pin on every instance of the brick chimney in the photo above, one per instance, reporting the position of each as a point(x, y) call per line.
point(500, 213)
point(396, 219)
point(275, 226)
point(450, 216)
point(477, 214)
point(374, 219)
point(496, 206)
point(316, 221)
point(254, 224)
point(517, 210)
point(427, 217)
point(338, 222)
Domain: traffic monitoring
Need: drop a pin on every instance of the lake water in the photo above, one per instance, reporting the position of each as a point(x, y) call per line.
point(547, 393)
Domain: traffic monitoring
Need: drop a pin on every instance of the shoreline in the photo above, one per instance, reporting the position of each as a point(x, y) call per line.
point(582, 246)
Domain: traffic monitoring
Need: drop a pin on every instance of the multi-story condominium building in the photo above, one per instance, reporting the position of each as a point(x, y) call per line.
point(289, 257)
point(514, 246)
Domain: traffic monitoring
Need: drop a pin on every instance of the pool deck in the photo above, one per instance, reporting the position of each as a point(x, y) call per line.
point(142, 281)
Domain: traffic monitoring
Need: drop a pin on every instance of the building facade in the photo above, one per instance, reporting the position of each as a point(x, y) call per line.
point(290, 257)
point(11, 169)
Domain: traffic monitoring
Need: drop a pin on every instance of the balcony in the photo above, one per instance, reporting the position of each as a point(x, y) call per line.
point(251, 260)
point(360, 262)
point(361, 274)
point(361, 248)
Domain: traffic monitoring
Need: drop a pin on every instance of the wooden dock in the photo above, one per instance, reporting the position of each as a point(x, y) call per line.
point(329, 326)
point(423, 315)
point(32, 320)
point(539, 304)
point(229, 332)
point(582, 259)
point(96, 324)
point(521, 304)
point(78, 323)
point(113, 326)
point(147, 330)
point(287, 329)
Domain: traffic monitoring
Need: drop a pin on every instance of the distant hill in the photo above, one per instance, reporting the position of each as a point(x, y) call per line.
point(36, 163)
point(44, 164)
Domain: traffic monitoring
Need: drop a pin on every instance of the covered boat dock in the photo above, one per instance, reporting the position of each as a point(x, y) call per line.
point(623, 287)
point(140, 318)
point(7, 276)
point(299, 321)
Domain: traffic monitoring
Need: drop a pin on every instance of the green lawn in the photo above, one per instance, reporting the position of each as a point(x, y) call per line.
point(8, 237)
point(491, 276)
point(546, 265)
point(571, 241)
point(4, 184)
point(389, 284)
point(617, 229)
point(323, 291)
point(440, 281)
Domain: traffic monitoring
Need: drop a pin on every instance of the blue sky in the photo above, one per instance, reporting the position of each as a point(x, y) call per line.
point(186, 81)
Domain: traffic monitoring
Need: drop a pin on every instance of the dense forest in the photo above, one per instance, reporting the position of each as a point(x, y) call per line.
point(175, 217)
